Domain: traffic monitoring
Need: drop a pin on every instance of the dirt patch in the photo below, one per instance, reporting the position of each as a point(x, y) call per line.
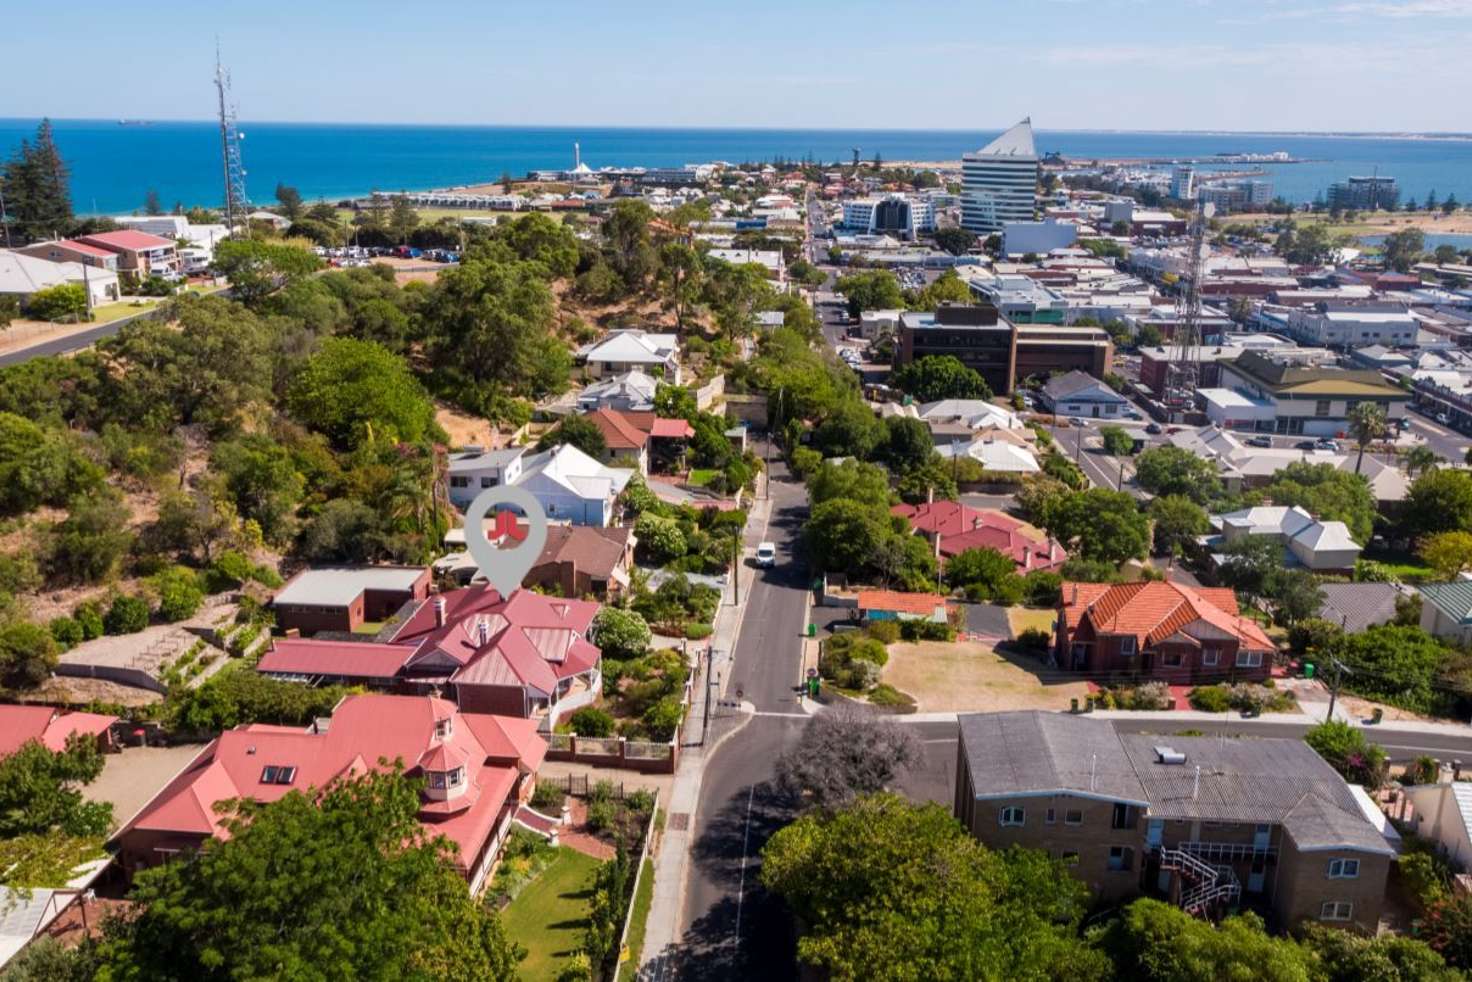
point(81, 691)
point(1359, 708)
point(970, 677)
point(466, 430)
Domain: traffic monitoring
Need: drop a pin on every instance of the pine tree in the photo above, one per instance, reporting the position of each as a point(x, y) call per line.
point(1431, 200)
point(34, 182)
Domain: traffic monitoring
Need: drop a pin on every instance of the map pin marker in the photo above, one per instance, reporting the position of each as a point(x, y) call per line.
point(505, 568)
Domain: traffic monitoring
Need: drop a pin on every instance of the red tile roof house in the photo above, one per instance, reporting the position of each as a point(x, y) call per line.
point(50, 727)
point(629, 435)
point(342, 598)
point(953, 528)
point(892, 605)
point(1162, 631)
point(73, 251)
point(580, 560)
point(526, 656)
point(139, 253)
point(478, 769)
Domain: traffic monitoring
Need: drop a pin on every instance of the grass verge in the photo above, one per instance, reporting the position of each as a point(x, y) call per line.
point(548, 918)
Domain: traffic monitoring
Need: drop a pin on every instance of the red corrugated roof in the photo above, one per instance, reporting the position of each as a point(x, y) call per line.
point(903, 603)
point(87, 250)
point(360, 659)
point(671, 428)
point(128, 238)
point(49, 726)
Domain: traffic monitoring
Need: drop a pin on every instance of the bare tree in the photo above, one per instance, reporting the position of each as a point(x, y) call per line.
point(845, 753)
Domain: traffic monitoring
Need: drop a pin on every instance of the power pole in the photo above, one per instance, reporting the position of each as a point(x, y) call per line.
point(709, 678)
point(1339, 669)
point(736, 570)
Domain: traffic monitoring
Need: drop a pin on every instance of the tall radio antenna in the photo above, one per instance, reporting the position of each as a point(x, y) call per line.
point(1183, 372)
point(237, 207)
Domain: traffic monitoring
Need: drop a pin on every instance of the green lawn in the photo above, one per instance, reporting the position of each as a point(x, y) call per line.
point(701, 476)
point(368, 627)
point(103, 313)
point(642, 902)
point(548, 917)
point(1406, 567)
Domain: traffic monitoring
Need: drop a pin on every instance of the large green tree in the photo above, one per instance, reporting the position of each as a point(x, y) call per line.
point(1175, 470)
point(255, 267)
point(1327, 493)
point(1100, 524)
point(34, 183)
point(936, 377)
point(1439, 501)
point(358, 392)
point(1178, 521)
point(40, 466)
point(871, 289)
point(887, 890)
point(40, 791)
point(844, 534)
point(344, 883)
point(1157, 942)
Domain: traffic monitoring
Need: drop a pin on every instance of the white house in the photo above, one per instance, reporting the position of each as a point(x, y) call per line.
point(633, 390)
point(974, 414)
point(474, 469)
point(624, 351)
point(1444, 815)
point(872, 323)
point(769, 259)
point(1307, 542)
point(1446, 610)
point(22, 275)
point(571, 486)
point(1001, 456)
point(1079, 394)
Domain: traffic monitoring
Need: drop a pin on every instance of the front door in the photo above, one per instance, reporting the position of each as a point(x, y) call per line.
point(1257, 873)
point(1154, 833)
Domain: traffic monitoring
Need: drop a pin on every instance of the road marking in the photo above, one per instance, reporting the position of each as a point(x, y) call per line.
point(784, 715)
point(745, 846)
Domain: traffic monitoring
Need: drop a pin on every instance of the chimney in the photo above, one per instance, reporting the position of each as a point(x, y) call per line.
point(1075, 594)
point(1052, 545)
point(930, 495)
point(439, 611)
point(483, 630)
point(1026, 557)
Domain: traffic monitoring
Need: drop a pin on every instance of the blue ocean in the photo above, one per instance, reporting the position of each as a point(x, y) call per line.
point(113, 166)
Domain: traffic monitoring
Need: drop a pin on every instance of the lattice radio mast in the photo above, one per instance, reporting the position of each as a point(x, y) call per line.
point(1183, 374)
point(237, 205)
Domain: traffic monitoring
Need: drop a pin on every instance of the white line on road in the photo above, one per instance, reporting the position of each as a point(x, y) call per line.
point(741, 888)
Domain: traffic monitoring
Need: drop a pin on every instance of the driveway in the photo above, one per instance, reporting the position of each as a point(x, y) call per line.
point(987, 620)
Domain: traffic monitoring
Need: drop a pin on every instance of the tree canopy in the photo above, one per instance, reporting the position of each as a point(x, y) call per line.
point(1175, 470)
point(359, 392)
point(936, 377)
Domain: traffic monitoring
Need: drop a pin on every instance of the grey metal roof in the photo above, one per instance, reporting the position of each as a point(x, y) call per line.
point(1357, 606)
point(1034, 753)
point(1071, 383)
point(1452, 599)
point(1272, 781)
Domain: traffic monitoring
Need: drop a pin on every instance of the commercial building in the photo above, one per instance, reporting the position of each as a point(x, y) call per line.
point(1155, 362)
point(1039, 238)
point(1043, 350)
point(1354, 323)
point(1364, 194)
point(477, 769)
point(1183, 183)
point(999, 182)
point(1022, 299)
point(1260, 393)
point(975, 334)
point(900, 215)
point(1207, 823)
point(1237, 195)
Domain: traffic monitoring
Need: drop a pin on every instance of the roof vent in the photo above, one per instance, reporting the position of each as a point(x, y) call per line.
point(250, 750)
point(1168, 755)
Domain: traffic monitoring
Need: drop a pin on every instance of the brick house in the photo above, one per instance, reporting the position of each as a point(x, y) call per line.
point(1163, 631)
point(630, 436)
point(478, 770)
point(580, 561)
point(1208, 823)
point(342, 598)
point(525, 655)
point(139, 253)
point(51, 728)
point(952, 528)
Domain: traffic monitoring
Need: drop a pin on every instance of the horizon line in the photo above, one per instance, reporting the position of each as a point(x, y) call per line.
point(1209, 131)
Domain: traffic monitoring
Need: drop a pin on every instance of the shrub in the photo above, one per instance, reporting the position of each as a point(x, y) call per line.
point(18, 572)
point(888, 696)
point(1210, 699)
point(1422, 770)
point(663, 718)
point(66, 631)
point(1345, 748)
point(1426, 875)
point(621, 634)
point(698, 632)
point(1035, 639)
point(860, 674)
point(885, 632)
point(601, 814)
point(65, 300)
point(179, 593)
point(89, 617)
point(869, 650)
point(547, 796)
point(926, 631)
point(1042, 588)
point(229, 570)
point(127, 615)
point(591, 722)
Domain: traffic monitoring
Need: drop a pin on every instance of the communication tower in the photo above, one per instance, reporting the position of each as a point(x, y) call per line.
point(237, 205)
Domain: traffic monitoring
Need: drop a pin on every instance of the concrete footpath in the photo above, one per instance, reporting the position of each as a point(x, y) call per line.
point(671, 866)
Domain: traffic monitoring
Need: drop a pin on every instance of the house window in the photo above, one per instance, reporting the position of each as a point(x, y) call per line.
point(1171, 659)
point(1321, 407)
point(1121, 858)
point(1123, 817)
point(459, 481)
point(1049, 816)
point(444, 727)
point(1127, 646)
point(455, 778)
point(1336, 910)
point(1012, 815)
point(1344, 869)
point(488, 482)
point(1249, 659)
point(278, 774)
point(1073, 816)
point(1209, 656)
point(1069, 857)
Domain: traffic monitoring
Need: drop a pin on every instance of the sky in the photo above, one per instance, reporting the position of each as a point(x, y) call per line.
point(1301, 65)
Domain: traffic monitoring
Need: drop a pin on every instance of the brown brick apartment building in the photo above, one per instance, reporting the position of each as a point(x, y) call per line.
point(1211, 824)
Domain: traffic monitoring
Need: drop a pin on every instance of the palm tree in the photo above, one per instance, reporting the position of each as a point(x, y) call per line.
point(1366, 425)
point(1420, 459)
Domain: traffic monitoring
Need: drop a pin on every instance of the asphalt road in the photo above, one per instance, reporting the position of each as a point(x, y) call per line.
point(71, 342)
point(733, 929)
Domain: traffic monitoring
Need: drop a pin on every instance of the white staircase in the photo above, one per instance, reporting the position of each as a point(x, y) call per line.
point(1210, 886)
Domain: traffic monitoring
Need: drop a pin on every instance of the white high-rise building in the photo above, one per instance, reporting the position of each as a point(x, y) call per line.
point(1183, 183)
point(894, 214)
point(999, 182)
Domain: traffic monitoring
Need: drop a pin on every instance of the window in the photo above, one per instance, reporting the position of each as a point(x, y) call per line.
point(1012, 815)
point(277, 774)
point(1336, 910)
point(1209, 656)
point(1344, 869)
point(443, 728)
point(1171, 659)
point(456, 778)
point(1069, 857)
point(1121, 858)
point(459, 481)
point(1249, 659)
point(1321, 407)
point(488, 482)
point(1127, 646)
point(1049, 816)
point(1123, 817)
point(1073, 816)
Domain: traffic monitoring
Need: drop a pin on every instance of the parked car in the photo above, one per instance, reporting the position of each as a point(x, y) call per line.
point(1305, 445)
point(1260, 441)
point(1324, 443)
point(766, 555)
point(1403, 424)
point(1443, 419)
point(1154, 429)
